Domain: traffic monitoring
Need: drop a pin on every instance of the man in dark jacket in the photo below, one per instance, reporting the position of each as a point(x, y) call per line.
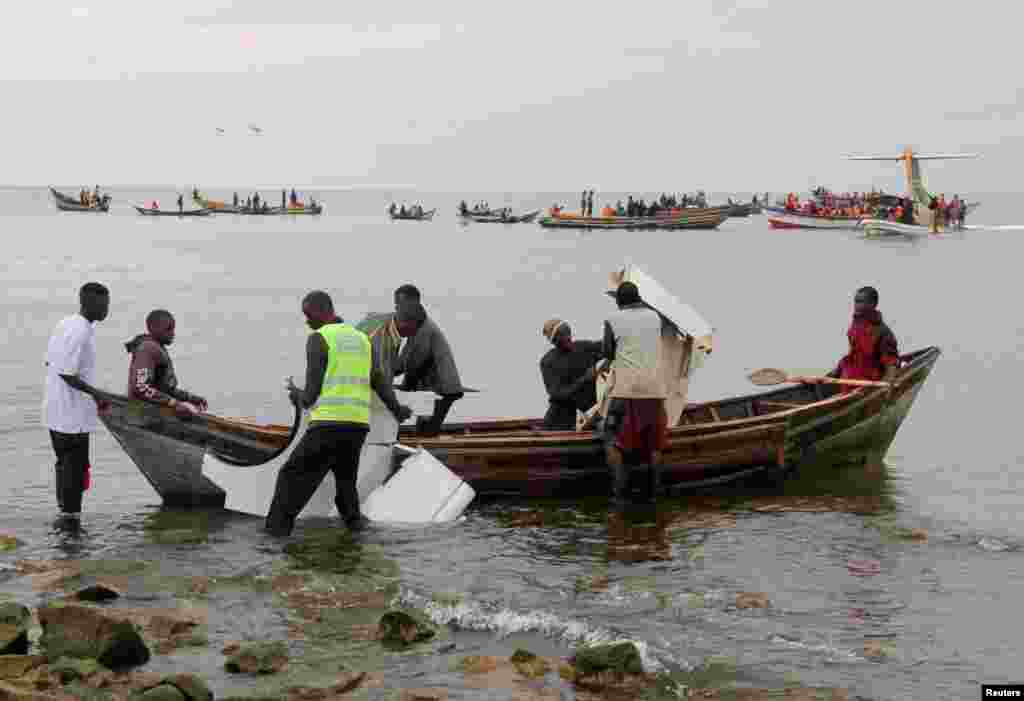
point(151, 373)
point(569, 372)
point(426, 359)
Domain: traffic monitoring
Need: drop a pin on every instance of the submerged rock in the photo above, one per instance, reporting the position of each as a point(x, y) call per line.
point(162, 692)
point(15, 620)
point(752, 600)
point(258, 658)
point(193, 687)
point(622, 658)
point(401, 628)
point(14, 666)
point(529, 664)
point(74, 630)
point(97, 593)
point(69, 669)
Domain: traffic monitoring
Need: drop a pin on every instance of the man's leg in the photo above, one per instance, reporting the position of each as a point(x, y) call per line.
point(72, 450)
point(298, 480)
point(345, 465)
point(58, 440)
point(611, 428)
point(441, 407)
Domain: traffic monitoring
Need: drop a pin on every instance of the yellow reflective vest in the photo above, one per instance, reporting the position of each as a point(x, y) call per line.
point(345, 395)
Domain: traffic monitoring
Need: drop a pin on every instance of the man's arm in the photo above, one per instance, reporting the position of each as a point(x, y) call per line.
point(608, 344)
point(889, 353)
point(142, 374)
point(381, 377)
point(316, 368)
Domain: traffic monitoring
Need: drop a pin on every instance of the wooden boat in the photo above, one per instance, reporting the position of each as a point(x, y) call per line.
point(739, 209)
point(71, 204)
point(782, 218)
point(217, 206)
point(426, 216)
point(687, 218)
point(306, 209)
point(169, 451)
point(798, 426)
point(494, 218)
point(150, 212)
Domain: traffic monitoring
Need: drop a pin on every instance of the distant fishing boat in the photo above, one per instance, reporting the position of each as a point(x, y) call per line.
point(72, 204)
point(425, 216)
point(499, 218)
point(153, 212)
point(685, 218)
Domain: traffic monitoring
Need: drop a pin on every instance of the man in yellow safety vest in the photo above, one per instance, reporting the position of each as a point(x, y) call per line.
point(341, 371)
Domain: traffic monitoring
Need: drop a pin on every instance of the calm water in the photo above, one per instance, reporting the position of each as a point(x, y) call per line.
point(946, 606)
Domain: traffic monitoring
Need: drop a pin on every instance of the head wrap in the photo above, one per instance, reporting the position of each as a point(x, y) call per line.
point(551, 327)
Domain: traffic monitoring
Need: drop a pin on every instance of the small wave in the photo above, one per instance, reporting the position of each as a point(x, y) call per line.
point(830, 652)
point(503, 621)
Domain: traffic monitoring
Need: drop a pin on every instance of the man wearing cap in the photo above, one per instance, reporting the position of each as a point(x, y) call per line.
point(635, 424)
point(569, 372)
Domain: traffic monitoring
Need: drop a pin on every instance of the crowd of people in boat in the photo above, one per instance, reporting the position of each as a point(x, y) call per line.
point(947, 214)
point(635, 207)
point(827, 204)
point(92, 198)
point(856, 205)
point(415, 210)
point(255, 203)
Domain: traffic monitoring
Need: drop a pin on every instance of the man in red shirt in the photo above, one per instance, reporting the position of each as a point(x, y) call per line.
point(874, 352)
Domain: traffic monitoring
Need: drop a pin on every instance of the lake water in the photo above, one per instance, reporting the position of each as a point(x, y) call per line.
point(548, 575)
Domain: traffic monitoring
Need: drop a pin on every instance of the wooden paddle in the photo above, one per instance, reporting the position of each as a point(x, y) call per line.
point(773, 376)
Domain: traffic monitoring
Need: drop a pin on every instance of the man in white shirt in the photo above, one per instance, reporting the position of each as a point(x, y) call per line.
point(68, 413)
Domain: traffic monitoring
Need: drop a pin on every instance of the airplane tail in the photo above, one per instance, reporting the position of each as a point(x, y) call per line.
point(915, 182)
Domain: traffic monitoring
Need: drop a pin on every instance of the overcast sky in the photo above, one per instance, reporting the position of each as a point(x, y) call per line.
point(524, 96)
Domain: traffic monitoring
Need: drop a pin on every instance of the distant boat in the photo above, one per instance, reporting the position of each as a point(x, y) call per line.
point(151, 212)
point(498, 218)
point(72, 204)
point(425, 216)
point(685, 218)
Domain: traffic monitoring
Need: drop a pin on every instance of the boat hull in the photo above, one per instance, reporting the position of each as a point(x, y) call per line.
point(70, 204)
point(693, 218)
point(784, 219)
point(147, 212)
point(716, 443)
point(426, 216)
point(880, 227)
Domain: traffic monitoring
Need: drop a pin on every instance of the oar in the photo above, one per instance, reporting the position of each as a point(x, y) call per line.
point(773, 376)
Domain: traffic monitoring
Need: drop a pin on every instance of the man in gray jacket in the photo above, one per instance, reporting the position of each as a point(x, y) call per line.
point(426, 359)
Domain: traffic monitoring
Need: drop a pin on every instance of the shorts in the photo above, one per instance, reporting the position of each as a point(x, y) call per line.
point(636, 426)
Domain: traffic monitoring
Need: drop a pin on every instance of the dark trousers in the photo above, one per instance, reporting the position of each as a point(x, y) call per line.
point(334, 447)
point(432, 425)
point(72, 450)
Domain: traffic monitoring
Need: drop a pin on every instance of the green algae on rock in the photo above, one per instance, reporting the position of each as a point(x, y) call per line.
point(9, 542)
point(399, 628)
point(74, 630)
point(193, 687)
point(623, 658)
point(15, 621)
point(70, 669)
point(529, 664)
point(14, 666)
point(162, 692)
point(258, 658)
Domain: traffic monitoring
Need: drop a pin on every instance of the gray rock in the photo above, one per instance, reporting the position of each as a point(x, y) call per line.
point(15, 620)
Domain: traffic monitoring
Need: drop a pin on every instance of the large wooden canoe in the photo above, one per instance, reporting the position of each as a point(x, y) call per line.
point(714, 442)
point(497, 218)
point(71, 204)
point(781, 218)
point(687, 218)
point(169, 450)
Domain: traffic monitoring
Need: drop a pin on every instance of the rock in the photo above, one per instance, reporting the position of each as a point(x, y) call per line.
point(231, 648)
point(918, 534)
point(478, 664)
point(423, 695)
point(162, 692)
point(752, 600)
point(529, 665)
point(8, 542)
point(69, 669)
point(875, 649)
point(14, 666)
point(193, 687)
point(75, 630)
point(622, 658)
point(400, 628)
point(11, 692)
point(15, 620)
point(258, 658)
point(97, 593)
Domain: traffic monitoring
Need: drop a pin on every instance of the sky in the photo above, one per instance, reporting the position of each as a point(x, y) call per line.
point(517, 97)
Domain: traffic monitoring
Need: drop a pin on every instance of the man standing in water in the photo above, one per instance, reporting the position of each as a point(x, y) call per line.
point(636, 423)
point(151, 373)
point(426, 359)
point(70, 414)
point(341, 370)
point(874, 352)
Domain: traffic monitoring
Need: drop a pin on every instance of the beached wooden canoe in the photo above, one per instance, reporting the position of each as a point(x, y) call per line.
point(426, 216)
point(71, 204)
point(169, 450)
point(150, 212)
point(687, 218)
point(714, 443)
